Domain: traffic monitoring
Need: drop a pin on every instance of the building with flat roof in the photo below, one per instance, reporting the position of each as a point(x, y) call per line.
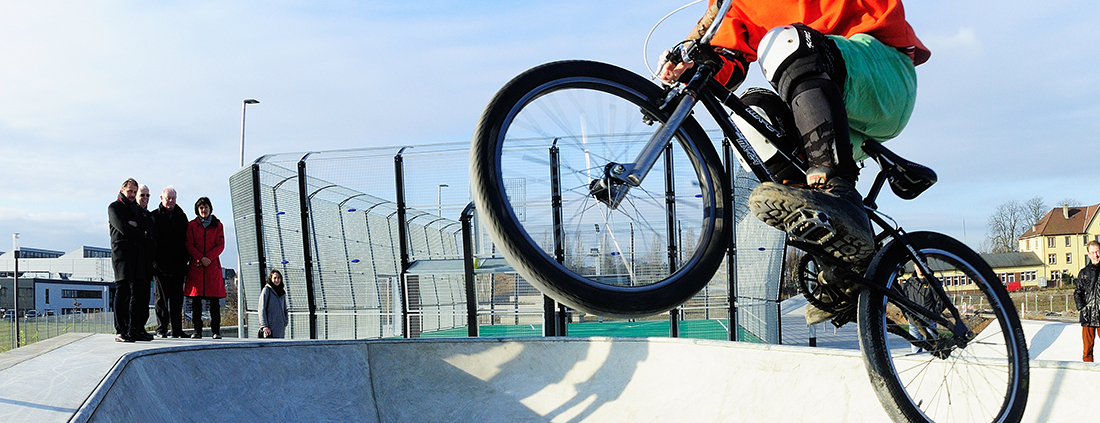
point(82, 264)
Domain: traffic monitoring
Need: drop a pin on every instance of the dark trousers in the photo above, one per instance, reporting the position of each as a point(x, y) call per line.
point(139, 306)
point(169, 303)
point(215, 314)
point(123, 295)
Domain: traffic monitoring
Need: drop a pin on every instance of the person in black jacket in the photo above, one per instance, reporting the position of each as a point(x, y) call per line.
point(127, 259)
point(170, 264)
point(919, 289)
point(1086, 293)
point(143, 289)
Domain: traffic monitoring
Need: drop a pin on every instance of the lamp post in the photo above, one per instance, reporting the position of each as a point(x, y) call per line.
point(15, 286)
point(244, 107)
point(241, 333)
point(439, 197)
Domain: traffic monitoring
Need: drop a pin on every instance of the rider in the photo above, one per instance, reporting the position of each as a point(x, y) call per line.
point(846, 69)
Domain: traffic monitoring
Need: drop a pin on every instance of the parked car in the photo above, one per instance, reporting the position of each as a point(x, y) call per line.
point(9, 314)
point(30, 314)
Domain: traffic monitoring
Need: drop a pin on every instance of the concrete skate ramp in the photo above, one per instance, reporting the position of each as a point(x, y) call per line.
point(486, 380)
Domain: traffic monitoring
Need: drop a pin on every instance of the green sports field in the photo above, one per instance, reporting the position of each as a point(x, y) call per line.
point(697, 329)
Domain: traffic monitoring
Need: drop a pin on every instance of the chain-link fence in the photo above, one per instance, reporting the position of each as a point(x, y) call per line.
point(34, 329)
point(370, 244)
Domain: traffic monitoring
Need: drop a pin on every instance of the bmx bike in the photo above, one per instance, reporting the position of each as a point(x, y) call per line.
point(602, 189)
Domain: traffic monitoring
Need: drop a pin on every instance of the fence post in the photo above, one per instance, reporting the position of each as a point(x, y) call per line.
point(552, 323)
point(303, 201)
point(261, 257)
point(673, 247)
point(402, 235)
point(731, 251)
point(468, 265)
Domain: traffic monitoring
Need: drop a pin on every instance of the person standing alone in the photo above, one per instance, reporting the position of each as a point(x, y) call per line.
point(1086, 293)
point(170, 264)
point(273, 312)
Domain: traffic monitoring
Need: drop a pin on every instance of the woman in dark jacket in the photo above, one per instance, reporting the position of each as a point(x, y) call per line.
point(273, 310)
point(205, 242)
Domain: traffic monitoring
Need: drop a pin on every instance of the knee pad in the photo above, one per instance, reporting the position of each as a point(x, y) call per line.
point(772, 108)
point(790, 53)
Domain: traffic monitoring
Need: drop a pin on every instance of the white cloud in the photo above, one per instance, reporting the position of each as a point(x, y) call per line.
point(964, 39)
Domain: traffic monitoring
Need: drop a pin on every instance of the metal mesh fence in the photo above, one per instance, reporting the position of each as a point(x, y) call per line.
point(346, 278)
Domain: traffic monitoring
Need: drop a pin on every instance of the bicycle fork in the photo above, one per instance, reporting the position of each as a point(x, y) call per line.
point(619, 178)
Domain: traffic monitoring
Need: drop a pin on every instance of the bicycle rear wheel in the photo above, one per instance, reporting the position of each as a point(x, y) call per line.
point(983, 380)
point(555, 129)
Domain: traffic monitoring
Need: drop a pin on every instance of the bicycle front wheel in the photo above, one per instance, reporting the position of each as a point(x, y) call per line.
point(919, 369)
point(546, 139)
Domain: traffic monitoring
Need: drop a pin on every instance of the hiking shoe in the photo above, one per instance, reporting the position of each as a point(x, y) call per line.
point(816, 315)
point(831, 216)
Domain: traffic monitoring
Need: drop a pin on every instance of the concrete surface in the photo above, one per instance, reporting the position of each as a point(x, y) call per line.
point(91, 378)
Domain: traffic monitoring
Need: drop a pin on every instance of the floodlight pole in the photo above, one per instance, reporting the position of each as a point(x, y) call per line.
point(15, 286)
point(241, 333)
point(439, 197)
point(244, 107)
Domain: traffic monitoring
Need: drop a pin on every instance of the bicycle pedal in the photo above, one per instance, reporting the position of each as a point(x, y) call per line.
point(810, 226)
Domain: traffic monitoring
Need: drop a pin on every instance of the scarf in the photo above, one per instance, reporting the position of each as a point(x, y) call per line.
point(206, 222)
point(279, 289)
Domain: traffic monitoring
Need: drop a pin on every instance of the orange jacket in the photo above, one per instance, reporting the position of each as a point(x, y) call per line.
point(748, 21)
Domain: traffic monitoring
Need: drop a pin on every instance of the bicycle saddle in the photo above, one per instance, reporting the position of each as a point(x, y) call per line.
point(907, 179)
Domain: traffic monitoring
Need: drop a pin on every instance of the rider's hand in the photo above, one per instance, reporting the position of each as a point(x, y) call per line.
point(670, 72)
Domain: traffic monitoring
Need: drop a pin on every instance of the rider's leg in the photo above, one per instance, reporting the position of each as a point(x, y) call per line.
point(808, 73)
point(806, 70)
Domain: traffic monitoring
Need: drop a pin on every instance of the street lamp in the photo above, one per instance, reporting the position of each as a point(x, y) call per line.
point(241, 333)
point(15, 285)
point(439, 197)
point(244, 106)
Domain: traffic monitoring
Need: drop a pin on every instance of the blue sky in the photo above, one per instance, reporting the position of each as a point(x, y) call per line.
point(94, 92)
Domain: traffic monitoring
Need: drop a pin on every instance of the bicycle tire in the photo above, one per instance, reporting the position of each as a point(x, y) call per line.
point(593, 114)
point(985, 381)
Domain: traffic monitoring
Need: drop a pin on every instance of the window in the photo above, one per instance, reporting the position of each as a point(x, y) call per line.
point(1050, 242)
point(74, 293)
point(1068, 243)
point(1012, 277)
point(47, 295)
point(1069, 258)
point(1084, 239)
point(1052, 259)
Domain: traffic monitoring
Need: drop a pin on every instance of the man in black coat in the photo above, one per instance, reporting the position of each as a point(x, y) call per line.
point(142, 291)
point(1086, 293)
point(128, 260)
point(170, 263)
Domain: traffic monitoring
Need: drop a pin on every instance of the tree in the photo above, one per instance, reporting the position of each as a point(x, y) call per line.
point(1072, 202)
point(1009, 221)
point(1035, 209)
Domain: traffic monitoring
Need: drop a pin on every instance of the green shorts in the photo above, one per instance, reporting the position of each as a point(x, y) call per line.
point(880, 91)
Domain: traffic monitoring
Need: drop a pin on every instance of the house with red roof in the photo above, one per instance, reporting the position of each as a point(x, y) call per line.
point(1060, 240)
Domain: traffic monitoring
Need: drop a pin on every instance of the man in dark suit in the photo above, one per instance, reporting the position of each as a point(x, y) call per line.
point(170, 263)
point(127, 258)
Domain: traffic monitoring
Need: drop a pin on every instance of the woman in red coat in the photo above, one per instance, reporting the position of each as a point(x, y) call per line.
point(205, 242)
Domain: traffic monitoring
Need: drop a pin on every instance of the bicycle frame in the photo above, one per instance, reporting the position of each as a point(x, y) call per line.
point(702, 88)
